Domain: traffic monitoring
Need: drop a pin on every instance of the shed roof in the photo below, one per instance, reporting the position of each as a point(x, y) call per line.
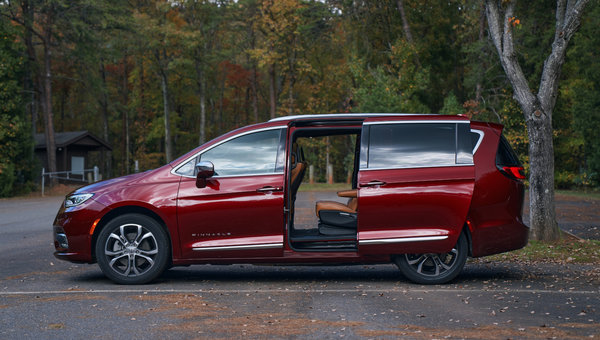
point(80, 138)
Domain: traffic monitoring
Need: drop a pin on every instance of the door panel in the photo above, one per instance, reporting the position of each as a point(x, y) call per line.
point(428, 204)
point(232, 217)
point(412, 207)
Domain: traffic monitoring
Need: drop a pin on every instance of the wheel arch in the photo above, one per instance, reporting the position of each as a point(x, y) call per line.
point(128, 209)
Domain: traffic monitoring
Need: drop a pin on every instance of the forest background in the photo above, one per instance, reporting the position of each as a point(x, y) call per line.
point(155, 78)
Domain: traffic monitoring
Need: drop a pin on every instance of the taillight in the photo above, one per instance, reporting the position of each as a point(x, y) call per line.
point(514, 171)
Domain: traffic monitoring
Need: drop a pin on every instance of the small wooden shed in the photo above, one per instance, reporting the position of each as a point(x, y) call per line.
point(72, 150)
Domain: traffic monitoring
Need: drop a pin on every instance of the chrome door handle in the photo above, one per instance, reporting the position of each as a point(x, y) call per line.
point(268, 189)
point(373, 183)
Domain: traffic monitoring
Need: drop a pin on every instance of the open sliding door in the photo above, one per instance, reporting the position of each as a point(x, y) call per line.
point(415, 184)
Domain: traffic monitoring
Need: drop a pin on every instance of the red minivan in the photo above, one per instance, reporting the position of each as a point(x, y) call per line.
point(425, 192)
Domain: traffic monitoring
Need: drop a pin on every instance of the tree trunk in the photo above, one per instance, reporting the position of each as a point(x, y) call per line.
point(541, 191)
point(537, 109)
point(272, 92)
point(202, 97)
point(254, 88)
point(481, 73)
point(165, 93)
point(406, 29)
point(125, 93)
point(47, 105)
point(292, 72)
point(405, 25)
point(253, 76)
point(291, 94)
point(104, 105)
point(31, 85)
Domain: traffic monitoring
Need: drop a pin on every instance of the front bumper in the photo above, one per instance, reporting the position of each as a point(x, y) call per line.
point(73, 231)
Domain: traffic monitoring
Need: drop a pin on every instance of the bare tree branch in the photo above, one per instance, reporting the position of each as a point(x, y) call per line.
point(502, 37)
point(560, 16)
point(547, 93)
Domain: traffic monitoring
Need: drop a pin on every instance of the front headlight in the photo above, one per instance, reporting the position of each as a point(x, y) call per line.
point(77, 199)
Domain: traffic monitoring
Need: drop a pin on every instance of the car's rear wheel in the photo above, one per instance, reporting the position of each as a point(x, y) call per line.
point(434, 268)
point(132, 249)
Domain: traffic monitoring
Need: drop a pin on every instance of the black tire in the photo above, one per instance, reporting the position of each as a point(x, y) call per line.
point(434, 268)
point(133, 249)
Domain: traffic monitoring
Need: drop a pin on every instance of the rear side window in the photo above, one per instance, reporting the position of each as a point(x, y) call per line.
point(506, 156)
point(410, 145)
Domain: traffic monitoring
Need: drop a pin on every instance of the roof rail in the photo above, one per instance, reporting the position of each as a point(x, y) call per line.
point(348, 115)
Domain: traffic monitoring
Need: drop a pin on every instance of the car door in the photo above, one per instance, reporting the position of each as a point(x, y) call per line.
point(415, 184)
point(239, 214)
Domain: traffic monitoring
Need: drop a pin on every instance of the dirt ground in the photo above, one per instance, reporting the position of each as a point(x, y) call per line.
point(579, 216)
point(493, 298)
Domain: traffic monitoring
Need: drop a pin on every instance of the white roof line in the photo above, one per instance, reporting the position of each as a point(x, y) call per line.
point(349, 115)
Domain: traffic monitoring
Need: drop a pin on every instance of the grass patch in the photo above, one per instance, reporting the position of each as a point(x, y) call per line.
point(591, 194)
point(566, 250)
point(325, 187)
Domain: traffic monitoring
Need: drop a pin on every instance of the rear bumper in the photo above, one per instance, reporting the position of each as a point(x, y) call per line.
point(499, 238)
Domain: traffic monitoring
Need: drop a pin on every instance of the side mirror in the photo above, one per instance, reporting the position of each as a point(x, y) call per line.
point(204, 170)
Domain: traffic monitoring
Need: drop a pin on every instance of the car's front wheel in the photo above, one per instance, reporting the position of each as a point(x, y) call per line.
point(132, 249)
point(434, 268)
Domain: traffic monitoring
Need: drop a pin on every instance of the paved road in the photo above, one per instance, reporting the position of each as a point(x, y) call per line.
point(43, 298)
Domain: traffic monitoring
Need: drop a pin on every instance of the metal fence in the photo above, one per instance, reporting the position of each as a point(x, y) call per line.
point(93, 175)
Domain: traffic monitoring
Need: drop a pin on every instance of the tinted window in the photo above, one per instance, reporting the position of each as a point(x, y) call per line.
point(474, 139)
point(505, 155)
point(464, 144)
point(412, 145)
point(257, 153)
point(188, 169)
point(250, 154)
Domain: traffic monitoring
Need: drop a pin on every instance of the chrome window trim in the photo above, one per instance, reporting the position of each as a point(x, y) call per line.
point(419, 122)
point(174, 170)
point(402, 240)
point(481, 134)
point(240, 175)
point(420, 167)
point(242, 247)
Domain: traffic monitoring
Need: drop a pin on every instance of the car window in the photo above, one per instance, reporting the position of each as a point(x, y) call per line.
point(412, 145)
point(251, 154)
point(464, 144)
point(189, 168)
point(506, 156)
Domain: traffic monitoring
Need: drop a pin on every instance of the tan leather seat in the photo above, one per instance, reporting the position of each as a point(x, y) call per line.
point(349, 207)
point(332, 205)
point(296, 178)
point(297, 172)
point(336, 218)
point(298, 167)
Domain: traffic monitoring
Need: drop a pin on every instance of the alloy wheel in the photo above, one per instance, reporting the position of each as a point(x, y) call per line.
point(131, 250)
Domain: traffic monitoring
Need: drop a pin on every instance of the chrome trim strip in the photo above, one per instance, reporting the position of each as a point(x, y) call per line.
point(419, 167)
point(240, 175)
point(246, 175)
point(243, 247)
point(402, 240)
point(481, 134)
point(174, 170)
point(350, 115)
point(419, 121)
